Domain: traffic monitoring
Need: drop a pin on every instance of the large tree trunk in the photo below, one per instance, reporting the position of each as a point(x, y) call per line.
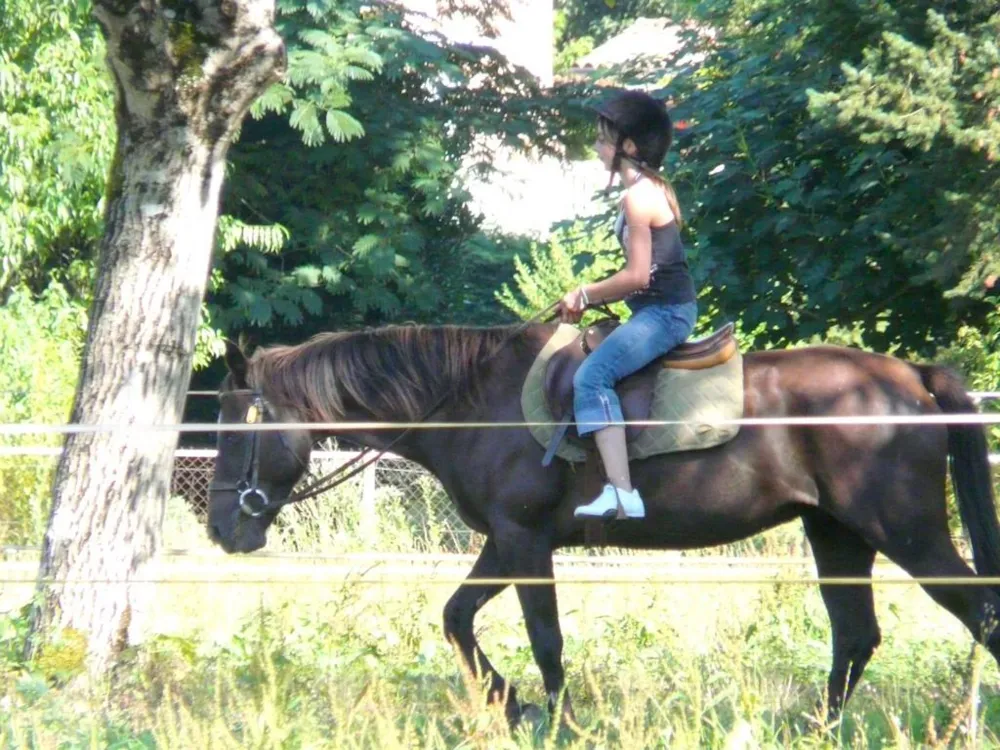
point(186, 73)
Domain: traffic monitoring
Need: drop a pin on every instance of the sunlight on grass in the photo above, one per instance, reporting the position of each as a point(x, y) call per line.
point(363, 670)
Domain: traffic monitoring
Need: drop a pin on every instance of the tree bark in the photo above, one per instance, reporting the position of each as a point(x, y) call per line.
point(186, 73)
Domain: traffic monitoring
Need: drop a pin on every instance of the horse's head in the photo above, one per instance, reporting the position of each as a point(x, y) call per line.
point(255, 470)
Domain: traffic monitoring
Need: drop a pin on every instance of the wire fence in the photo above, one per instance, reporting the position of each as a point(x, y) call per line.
point(391, 491)
point(393, 506)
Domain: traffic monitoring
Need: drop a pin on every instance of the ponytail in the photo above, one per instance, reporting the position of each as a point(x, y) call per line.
point(668, 190)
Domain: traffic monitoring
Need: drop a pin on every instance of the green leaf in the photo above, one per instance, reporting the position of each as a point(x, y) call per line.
point(275, 99)
point(304, 118)
point(307, 276)
point(260, 311)
point(367, 213)
point(312, 302)
point(287, 310)
point(365, 244)
point(342, 127)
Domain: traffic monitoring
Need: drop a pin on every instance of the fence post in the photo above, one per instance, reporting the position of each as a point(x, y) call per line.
point(369, 513)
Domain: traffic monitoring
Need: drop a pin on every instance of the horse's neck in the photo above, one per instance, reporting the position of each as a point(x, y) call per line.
point(497, 399)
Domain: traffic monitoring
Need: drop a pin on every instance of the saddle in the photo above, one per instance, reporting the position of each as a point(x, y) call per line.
point(636, 391)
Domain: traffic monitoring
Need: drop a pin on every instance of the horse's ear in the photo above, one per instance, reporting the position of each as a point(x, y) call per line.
point(236, 361)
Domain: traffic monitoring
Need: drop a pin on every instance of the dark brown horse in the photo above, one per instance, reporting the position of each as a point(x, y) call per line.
point(858, 488)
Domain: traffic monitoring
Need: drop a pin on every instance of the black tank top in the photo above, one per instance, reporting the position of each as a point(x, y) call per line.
point(670, 281)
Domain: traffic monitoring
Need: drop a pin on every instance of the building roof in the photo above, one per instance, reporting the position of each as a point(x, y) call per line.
point(647, 39)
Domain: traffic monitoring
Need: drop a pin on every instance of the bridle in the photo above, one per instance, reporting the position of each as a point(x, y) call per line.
point(254, 502)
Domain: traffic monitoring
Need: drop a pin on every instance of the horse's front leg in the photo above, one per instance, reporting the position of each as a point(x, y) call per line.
point(527, 554)
point(459, 616)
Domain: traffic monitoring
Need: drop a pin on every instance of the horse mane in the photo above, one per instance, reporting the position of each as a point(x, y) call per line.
point(394, 372)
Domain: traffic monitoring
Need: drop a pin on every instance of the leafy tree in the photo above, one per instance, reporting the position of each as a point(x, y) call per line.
point(805, 217)
point(853, 214)
point(385, 234)
point(581, 25)
point(56, 143)
point(56, 139)
point(360, 155)
point(185, 75)
point(571, 257)
point(939, 104)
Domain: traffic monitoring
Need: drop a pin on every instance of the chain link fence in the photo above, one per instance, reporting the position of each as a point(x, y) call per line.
point(393, 505)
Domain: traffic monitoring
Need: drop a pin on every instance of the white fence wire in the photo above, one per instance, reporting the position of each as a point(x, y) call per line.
point(392, 492)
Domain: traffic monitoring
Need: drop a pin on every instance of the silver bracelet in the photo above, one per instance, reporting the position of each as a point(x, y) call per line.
point(586, 299)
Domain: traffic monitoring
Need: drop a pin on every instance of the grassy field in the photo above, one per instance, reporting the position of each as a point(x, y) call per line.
point(342, 652)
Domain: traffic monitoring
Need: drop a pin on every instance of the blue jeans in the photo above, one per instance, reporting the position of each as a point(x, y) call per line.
point(652, 330)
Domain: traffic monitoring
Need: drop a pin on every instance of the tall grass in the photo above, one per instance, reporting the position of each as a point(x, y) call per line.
point(357, 671)
point(411, 517)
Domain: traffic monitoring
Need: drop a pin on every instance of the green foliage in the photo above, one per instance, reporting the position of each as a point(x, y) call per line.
point(40, 344)
point(569, 48)
point(940, 102)
point(653, 666)
point(807, 217)
point(581, 25)
point(57, 133)
point(573, 256)
point(579, 253)
point(360, 155)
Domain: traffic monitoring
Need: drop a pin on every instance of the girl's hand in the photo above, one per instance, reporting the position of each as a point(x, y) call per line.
point(571, 306)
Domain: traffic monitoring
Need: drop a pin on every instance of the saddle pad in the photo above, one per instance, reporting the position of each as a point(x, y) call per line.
point(533, 403)
point(694, 396)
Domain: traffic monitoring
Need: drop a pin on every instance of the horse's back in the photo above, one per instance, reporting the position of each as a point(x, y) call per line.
point(821, 380)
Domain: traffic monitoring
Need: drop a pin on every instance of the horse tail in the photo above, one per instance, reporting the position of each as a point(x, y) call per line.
point(970, 467)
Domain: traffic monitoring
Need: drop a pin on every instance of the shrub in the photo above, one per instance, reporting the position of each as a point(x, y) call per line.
point(40, 343)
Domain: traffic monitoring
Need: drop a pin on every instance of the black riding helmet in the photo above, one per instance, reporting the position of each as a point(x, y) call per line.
point(637, 115)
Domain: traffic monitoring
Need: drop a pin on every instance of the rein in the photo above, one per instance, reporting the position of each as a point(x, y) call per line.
point(254, 502)
point(338, 476)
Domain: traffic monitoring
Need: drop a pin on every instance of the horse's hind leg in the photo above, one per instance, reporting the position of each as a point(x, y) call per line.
point(935, 556)
point(840, 552)
point(912, 531)
point(459, 615)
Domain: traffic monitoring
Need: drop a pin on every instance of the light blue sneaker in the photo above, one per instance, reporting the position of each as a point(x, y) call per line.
point(613, 503)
